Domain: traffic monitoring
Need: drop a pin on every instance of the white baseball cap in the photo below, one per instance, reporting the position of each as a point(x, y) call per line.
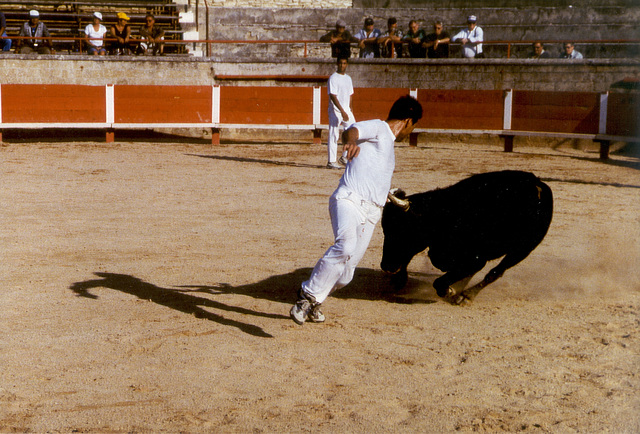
point(98, 15)
point(34, 13)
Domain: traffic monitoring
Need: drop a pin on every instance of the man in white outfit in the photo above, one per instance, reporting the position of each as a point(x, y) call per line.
point(471, 39)
point(356, 205)
point(340, 89)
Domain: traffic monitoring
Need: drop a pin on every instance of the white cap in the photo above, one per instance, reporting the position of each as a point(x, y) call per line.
point(98, 15)
point(34, 13)
point(471, 19)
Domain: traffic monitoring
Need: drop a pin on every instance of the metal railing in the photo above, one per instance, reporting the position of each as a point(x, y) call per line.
point(208, 43)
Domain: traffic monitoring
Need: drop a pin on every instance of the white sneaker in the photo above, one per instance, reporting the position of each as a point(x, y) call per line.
point(300, 311)
point(316, 314)
point(342, 160)
point(334, 166)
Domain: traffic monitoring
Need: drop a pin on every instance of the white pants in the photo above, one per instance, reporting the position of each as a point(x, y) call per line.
point(335, 123)
point(353, 221)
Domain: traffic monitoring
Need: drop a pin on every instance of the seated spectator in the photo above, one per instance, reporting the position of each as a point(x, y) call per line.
point(414, 38)
point(33, 29)
point(340, 40)
point(570, 52)
point(539, 52)
point(437, 43)
point(368, 37)
point(152, 37)
point(95, 34)
point(391, 41)
point(471, 39)
point(121, 31)
point(5, 43)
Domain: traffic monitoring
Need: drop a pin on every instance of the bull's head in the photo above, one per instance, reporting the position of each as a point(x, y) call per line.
point(398, 225)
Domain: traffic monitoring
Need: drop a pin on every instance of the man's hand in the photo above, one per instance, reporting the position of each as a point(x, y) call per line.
point(349, 138)
point(352, 150)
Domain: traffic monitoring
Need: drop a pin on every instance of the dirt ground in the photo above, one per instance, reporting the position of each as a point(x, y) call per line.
point(146, 288)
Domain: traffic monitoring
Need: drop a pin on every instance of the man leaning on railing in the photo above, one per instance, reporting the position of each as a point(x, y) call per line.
point(340, 40)
point(4, 43)
point(34, 29)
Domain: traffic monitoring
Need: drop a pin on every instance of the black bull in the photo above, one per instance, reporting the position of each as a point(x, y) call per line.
point(479, 219)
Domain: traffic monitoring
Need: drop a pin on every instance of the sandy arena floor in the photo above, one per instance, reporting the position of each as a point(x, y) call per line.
point(146, 288)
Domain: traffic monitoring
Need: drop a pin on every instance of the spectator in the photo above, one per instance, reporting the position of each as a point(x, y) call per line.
point(471, 39)
point(570, 52)
point(95, 34)
point(391, 41)
point(368, 37)
point(340, 89)
point(340, 40)
point(437, 43)
point(34, 28)
point(152, 37)
point(5, 43)
point(539, 52)
point(414, 38)
point(121, 31)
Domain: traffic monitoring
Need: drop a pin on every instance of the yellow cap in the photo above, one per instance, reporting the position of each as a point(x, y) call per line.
point(122, 16)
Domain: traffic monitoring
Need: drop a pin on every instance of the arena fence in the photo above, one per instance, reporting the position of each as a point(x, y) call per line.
point(602, 117)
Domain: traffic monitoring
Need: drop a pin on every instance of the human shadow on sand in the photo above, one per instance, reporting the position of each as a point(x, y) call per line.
point(367, 285)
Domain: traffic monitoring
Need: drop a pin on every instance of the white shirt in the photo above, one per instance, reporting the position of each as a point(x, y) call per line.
point(341, 86)
point(96, 37)
point(476, 35)
point(369, 174)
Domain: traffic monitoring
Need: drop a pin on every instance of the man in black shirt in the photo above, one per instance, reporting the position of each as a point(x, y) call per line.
point(437, 43)
point(340, 40)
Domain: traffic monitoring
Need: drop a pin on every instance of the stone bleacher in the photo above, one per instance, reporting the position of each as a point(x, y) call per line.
point(69, 18)
point(617, 20)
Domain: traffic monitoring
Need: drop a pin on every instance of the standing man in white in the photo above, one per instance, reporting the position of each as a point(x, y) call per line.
point(356, 205)
point(340, 89)
point(471, 39)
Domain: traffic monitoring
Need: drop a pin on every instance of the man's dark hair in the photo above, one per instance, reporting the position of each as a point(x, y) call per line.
point(342, 57)
point(406, 107)
point(391, 21)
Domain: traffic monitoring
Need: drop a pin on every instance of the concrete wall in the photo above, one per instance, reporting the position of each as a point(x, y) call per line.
point(558, 23)
point(557, 75)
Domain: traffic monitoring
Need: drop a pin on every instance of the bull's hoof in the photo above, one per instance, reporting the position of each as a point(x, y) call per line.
point(444, 292)
point(461, 300)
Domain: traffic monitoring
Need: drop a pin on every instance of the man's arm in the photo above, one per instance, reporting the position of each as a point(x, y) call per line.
point(349, 140)
point(327, 37)
point(458, 36)
point(336, 103)
point(46, 34)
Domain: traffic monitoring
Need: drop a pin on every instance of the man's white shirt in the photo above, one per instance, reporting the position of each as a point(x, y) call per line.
point(369, 174)
point(341, 86)
point(475, 35)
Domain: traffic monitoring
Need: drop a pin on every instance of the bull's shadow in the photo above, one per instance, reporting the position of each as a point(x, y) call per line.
point(198, 300)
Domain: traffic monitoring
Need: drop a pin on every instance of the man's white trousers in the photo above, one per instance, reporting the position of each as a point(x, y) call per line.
point(353, 221)
point(335, 123)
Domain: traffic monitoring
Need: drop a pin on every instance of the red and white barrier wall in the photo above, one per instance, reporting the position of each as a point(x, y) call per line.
point(597, 116)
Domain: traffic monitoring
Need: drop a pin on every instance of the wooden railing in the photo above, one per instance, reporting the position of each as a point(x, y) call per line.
point(601, 117)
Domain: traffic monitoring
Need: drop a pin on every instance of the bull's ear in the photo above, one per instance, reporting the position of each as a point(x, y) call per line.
point(398, 192)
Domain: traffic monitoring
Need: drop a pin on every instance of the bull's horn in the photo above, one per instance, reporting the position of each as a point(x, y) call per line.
point(404, 204)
